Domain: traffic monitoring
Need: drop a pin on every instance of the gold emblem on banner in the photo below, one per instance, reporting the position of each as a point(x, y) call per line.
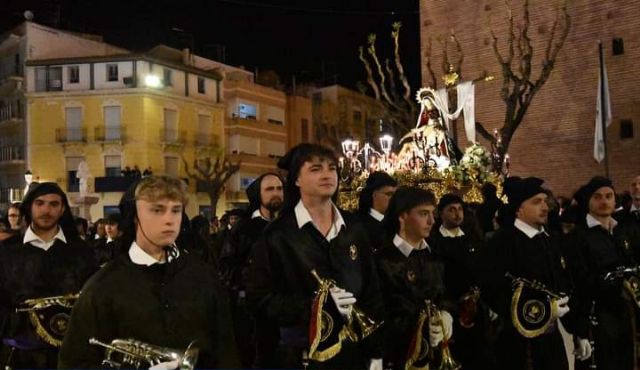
point(353, 252)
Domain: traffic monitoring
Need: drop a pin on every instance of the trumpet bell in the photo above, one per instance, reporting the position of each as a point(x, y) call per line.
point(448, 362)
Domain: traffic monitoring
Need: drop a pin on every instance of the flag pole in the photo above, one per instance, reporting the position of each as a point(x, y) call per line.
point(603, 110)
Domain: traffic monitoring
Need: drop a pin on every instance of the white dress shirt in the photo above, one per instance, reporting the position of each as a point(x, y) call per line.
point(406, 248)
point(303, 217)
point(36, 241)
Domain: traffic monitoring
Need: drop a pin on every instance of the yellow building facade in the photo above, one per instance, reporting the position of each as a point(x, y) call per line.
point(119, 116)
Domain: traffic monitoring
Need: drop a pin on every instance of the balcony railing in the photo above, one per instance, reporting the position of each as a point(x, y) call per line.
point(11, 153)
point(10, 195)
point(109, 134)
point(113, 184)
point(10, 112)
point(172, 137)
point(71, 135)
point(206, 140)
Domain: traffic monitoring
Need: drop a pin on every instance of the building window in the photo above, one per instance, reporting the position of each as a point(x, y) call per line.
point(74, 74)
point(626, 129)
point(204, 130)
point(113, 123)
point(618, 46)
point(72, 163)
point(112, 72)
point(41, 79)
point(73, 116)
point(167, 78)
point(171, 166)
point(107, 210)
point(247, 111)
point(245, 181)
point(170, 134)
point(112, 165)
point(201, 86)
point(55, 79)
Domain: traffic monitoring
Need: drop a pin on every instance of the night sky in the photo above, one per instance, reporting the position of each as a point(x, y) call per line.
point(315, 41)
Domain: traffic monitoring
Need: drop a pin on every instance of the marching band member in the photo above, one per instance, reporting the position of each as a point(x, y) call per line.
point(597, 246)
point(49, 260)
point(155, 292)
point(523, 249)
point(411, 274)
point(313, 234)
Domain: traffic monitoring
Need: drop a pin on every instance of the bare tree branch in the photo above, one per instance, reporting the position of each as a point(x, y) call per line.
point(367, 67)
point(212, 176)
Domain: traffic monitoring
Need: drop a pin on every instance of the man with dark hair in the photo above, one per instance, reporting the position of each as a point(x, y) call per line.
point(461, 256)
point(99, 230)
point(410, 274)
point(108, 248)
point(265, 196)
point(490, 204)
point(313, 234)
point(597, 246)
point(82, 225)
point(374, 200)
point(50, 260)
point(524, 250)
point(155, 293)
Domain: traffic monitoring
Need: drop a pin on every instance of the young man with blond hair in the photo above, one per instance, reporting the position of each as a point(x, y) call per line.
point(156, 292)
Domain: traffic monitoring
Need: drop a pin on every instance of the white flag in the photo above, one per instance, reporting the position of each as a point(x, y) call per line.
point(598, 142)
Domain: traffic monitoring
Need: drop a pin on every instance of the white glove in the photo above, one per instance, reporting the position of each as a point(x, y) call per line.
point(582, 349)
point(375, 364)
point(171, 365)
point(561, 307)
point(492, 315)
point(344, 301)
point(447, 324)
point(435, 335)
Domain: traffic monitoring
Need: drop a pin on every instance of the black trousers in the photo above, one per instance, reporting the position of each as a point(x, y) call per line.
point(546, 352)
point(614, 338)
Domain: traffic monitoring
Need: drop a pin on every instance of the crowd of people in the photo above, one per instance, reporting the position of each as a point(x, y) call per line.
point(407, 281)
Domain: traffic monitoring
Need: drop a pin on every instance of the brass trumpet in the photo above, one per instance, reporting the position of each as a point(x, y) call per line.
point(136, 353)
point(359, 325)
point(630, 282)
point(447, 361)
point(35, 304)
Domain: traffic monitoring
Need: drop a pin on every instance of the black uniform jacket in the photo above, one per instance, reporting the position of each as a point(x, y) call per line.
point(539, 258)
point(167, 305)
point(281, 287)
point(591, 253)
point(236, 250)
point(406, 283)
point(28, 272)
point(375, 229)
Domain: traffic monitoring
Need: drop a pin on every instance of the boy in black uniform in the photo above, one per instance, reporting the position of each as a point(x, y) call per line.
point(49, 260)
point(373, 202)
point(597, 246)
point(155, 292)
point(313, 234)
point(460, 253)
point(410, 273)
point(523, 249)
point(265, 196)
